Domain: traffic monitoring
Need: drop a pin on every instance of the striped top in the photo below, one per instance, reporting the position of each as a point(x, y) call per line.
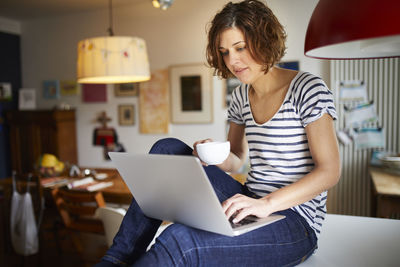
point(278, 149)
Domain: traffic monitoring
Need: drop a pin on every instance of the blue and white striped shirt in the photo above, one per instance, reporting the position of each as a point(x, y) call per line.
point(278, 149)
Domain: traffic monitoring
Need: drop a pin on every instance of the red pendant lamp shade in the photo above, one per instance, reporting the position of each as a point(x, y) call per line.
point(354, 29)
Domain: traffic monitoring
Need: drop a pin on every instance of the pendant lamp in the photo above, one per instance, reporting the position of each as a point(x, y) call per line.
point(112, 59)
point(354, 29)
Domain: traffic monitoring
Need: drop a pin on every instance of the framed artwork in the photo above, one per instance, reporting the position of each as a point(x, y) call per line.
point(126, 114)
point(230, 85)
point(27, 99)
point(5, 92)
point(51, 89)
point(69, 88)
point(191, 94)
point(94, 92)
point(154, 104)
point(126, 89)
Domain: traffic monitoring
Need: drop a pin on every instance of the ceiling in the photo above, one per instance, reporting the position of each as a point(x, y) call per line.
point(30, 9)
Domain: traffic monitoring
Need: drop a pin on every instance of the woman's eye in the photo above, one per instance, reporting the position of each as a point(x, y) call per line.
point(224, 53)
point(241, 48)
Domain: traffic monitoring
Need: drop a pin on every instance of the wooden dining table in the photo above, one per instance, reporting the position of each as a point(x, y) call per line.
point(118, 192)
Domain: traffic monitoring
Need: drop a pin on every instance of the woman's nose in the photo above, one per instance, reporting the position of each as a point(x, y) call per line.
point(233, 58)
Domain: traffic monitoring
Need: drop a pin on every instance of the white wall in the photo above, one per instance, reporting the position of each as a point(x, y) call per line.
point(175, 36)
point(10, 26)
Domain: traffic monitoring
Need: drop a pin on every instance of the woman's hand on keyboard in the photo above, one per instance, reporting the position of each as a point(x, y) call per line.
point(242, 206)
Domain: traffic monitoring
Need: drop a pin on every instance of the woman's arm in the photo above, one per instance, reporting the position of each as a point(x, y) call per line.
point(326, 173)
point(239, 148)
point(238, 143)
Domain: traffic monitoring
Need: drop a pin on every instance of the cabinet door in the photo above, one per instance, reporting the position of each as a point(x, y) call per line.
point(34, 133)
point(24, 147)
point(65, 140)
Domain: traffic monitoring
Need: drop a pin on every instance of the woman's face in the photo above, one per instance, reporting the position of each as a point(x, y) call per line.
point(237, 58)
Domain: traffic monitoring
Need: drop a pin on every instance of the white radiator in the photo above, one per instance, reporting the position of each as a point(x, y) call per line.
point(352, 195)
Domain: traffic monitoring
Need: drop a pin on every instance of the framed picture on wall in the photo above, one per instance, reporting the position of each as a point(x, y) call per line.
point(191, 94)
point(126, 89)
point(92, 93)
point(69, 88)
point(51, 89)
point(5, 92)
point(126, 114)
point(154, 104)
point(27, 99)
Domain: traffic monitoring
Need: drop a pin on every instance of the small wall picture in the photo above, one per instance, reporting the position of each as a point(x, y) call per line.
point(27, 99)
point(5, 92)
point(126, 114)
point(51, 89)
point(126, 89)
point(69, 88)
point(94, 93)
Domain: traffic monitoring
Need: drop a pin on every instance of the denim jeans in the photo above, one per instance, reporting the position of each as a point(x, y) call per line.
point(287, 242)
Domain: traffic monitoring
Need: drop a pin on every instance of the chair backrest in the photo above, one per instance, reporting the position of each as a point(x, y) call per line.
point(111, 218)
point(77, 209)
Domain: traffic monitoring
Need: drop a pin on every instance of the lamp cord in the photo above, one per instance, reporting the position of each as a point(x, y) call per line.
point(110, 29)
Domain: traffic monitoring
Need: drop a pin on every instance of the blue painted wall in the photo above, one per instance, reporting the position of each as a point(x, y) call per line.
point(10, 72)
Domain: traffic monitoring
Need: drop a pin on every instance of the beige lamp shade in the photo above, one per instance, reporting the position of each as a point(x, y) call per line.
point(112, 59)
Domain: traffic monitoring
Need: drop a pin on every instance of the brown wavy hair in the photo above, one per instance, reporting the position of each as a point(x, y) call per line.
point(265, 37)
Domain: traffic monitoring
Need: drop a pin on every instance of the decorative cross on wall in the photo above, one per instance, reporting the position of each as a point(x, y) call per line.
point(106, 136)
point(103, 119)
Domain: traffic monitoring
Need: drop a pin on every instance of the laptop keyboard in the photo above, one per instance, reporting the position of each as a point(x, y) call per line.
point(247, 220)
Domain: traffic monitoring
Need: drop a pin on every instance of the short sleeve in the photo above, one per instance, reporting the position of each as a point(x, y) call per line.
point(314, 101)
point(235, 108)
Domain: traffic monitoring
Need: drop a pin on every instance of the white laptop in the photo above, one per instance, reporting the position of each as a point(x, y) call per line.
point(176, 189)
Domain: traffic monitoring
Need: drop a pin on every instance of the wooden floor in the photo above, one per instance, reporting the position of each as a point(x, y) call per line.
point(50, 256)
point(55, 247)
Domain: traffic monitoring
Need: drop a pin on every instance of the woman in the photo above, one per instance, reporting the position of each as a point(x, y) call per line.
point(284, 119)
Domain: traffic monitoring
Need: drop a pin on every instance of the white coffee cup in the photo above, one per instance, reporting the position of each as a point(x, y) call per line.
point(213, 153)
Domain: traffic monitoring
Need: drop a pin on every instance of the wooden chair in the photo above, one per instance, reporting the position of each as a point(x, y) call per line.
point(77, 210)
point(112, 219)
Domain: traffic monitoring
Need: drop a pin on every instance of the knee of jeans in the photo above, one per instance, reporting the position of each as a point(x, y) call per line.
point(176, 232)
point(160, 145)
point(170, 146)
point(180, 242)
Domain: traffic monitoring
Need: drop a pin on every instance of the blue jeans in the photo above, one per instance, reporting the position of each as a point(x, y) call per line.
point(287, 242)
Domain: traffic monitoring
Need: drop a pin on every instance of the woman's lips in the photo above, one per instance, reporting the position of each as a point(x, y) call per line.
point(240, 70)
